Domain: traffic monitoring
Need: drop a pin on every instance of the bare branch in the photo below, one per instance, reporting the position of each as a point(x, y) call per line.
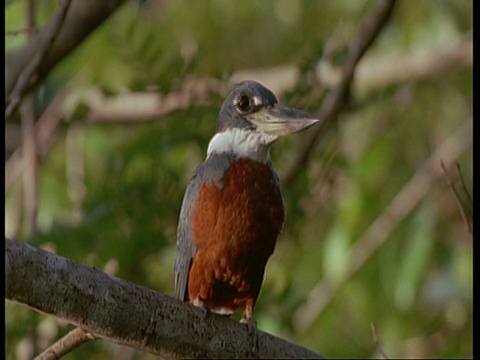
point(376, 73)
point(29, 146)
point(378, 232)
point(66, 344)
point(335, 99)
point(376, 340)
point(45, 129)
point(464, 187)
point(29, 65)
point(30, 165)
point(128, 314)
point(143, 106)
point(468, 221)
point(29, 74)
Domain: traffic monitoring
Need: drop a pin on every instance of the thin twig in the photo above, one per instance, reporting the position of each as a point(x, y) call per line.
point(75, 167)
point(45, 130)
point(464, 187)
point(19, 31)
point(376, 341)
point(29, 163)
point(466, 220)
point(379, 231)
point(63, 346)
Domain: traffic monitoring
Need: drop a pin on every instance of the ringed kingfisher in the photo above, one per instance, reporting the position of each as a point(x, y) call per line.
point(233, 211)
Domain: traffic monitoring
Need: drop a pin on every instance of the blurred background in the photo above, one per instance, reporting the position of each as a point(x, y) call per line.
point(376, 255)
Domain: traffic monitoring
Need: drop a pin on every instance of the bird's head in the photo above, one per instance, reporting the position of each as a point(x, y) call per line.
point(251, 119)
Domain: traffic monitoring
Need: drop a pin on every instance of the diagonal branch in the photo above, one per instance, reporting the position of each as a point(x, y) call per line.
point(376, 340)
point(466, 214)
point(29, 73)
point(28, 66)
point(66, 344)
point(116, 310)
point(379, 231)
point(335, 99)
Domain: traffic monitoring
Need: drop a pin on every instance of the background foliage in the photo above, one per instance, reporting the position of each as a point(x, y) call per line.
point(109, 193)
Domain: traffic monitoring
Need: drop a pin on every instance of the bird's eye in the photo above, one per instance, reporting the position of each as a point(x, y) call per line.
point(244, 103)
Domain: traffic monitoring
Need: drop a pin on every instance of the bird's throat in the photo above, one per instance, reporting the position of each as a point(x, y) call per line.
point(242, 143)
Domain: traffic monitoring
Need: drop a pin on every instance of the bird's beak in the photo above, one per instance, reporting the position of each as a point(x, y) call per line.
point(280, 120)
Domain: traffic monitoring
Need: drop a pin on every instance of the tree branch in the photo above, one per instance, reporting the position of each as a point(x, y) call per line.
point(466, 214)
point(378, 72)
point(66, 344)
point(29, 74)
point(376, 340)
point(46, 130)
point(334, 101)
point(28, 66)
point(144, 106)
point(128, 314)
point(378, 232)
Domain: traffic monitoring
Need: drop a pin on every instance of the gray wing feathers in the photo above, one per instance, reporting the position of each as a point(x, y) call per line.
point(210, 171)
point(185, 247)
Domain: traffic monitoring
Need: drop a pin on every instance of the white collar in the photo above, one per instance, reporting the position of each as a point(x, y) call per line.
point(243, 143)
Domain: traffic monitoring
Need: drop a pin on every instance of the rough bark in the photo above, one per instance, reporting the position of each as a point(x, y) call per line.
point(129, 314)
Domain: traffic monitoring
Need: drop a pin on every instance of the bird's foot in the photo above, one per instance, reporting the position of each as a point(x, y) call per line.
point(252, 329)
point(199, 304)
point(204, 312)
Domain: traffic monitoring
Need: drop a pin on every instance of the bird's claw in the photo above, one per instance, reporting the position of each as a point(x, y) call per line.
point(199, 304)
point(204, 312)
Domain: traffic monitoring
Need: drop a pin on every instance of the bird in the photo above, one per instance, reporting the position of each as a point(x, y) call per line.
point(233, 212)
